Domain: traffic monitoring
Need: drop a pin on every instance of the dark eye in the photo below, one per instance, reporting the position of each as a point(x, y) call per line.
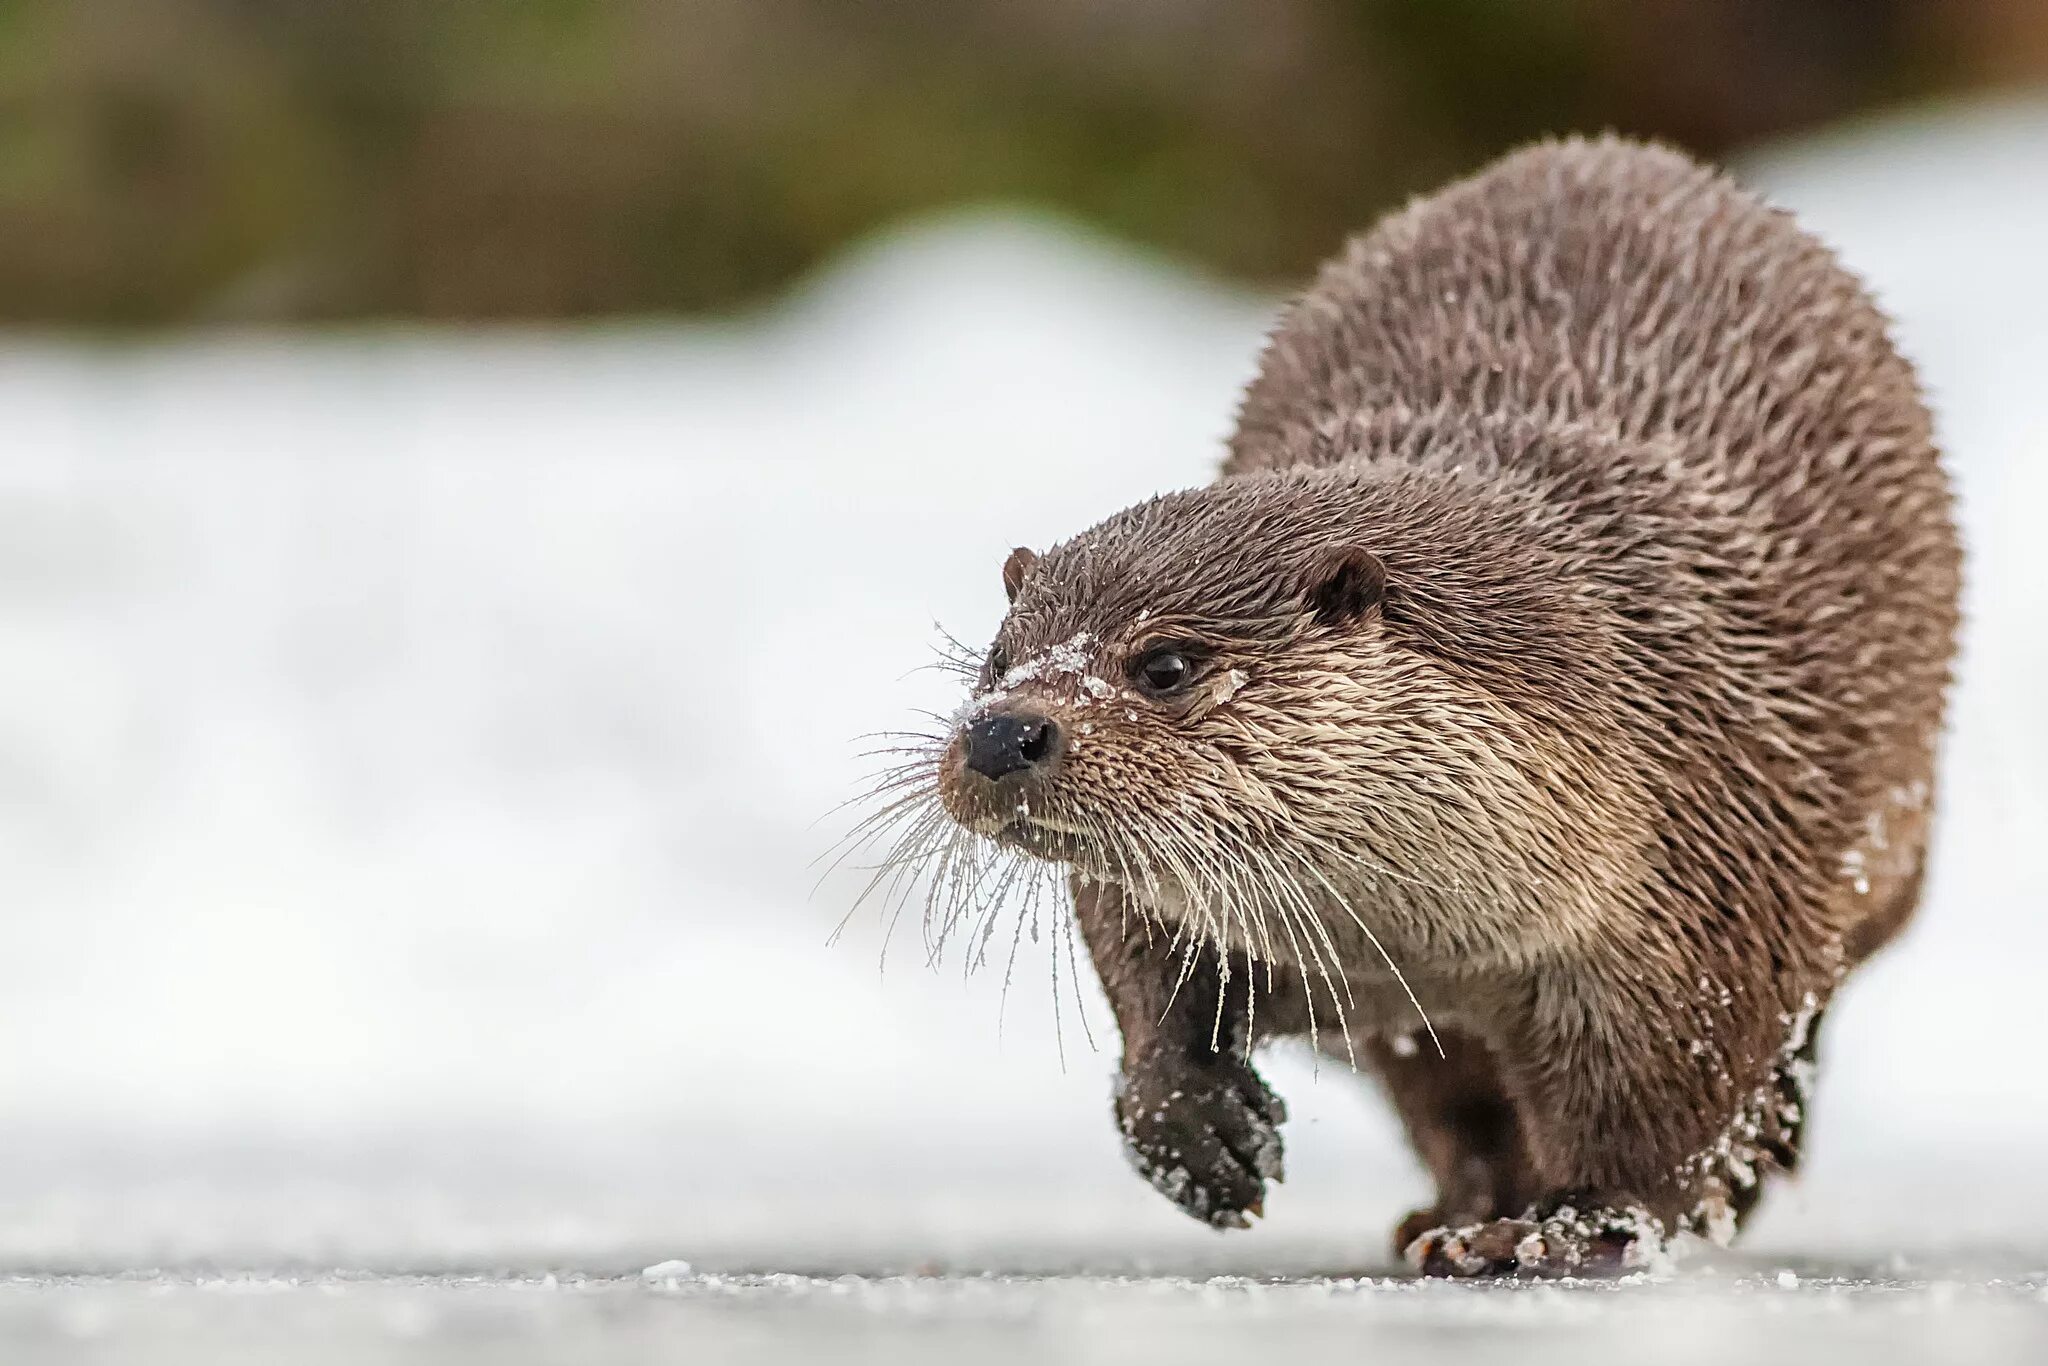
point(997, 663)
point(1164, 671)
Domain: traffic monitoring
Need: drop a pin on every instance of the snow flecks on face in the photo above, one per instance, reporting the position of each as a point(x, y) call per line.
point(1227, 687)
point(1403, 1046)
point(1070, 665)
point(1070, 659)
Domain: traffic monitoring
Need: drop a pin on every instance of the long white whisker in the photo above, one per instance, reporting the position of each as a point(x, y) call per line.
point(1385, 957)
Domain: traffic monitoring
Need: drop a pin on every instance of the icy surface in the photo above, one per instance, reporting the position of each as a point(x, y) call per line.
point(788, 1318)
point(409, 748)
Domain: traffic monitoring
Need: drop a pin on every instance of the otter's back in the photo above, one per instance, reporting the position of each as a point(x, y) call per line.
point(1607, 282)
point(1714, 348)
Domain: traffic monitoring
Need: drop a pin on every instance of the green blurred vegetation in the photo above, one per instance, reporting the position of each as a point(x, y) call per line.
point(169, 160)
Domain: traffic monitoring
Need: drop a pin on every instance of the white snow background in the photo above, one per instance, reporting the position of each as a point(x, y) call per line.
point(410, 744)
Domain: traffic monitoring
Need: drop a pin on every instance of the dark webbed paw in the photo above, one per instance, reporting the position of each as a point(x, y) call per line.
point(1205, 1134)
point(1608, 1241)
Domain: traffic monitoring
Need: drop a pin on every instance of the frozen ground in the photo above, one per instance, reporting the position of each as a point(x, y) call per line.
point(998, 1320)
point(409, 746)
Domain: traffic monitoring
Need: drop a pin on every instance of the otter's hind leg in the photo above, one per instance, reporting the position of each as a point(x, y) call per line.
point(1462, 1125)
point(1639, 1120)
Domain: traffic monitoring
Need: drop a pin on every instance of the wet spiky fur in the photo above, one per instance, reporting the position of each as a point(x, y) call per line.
point(1571, 624)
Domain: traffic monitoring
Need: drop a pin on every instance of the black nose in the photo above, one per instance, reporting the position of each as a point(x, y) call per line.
point(1007, 743)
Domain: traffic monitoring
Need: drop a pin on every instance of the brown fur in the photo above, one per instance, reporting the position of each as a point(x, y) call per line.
point(1570, 628)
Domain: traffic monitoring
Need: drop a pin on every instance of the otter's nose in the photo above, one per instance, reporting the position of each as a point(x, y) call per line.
point(1009, 742)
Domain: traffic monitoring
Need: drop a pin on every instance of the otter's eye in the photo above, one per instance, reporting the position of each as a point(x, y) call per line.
point(1163, 671)
point(997, 663)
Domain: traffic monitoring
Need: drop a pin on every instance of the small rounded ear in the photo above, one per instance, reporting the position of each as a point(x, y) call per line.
point(1021, 562)
point(1345, 585)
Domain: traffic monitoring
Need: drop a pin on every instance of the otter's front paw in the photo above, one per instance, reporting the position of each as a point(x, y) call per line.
point(1565, 1242)
point(1205, 1134)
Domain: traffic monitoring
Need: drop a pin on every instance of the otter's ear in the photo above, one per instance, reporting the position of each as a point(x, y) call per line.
point(1346, 584)
point(1021, 562)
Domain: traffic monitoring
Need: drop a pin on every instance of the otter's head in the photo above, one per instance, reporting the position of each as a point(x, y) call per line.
point(1192, 690)
point(1290, 692)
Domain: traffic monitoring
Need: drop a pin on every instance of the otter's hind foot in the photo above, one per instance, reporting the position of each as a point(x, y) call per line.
point(1597, 1243)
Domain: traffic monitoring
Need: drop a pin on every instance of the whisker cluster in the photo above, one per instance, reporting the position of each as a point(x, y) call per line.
point(1226, 889)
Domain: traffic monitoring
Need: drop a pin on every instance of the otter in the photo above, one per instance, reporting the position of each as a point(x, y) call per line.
point(1539, 712)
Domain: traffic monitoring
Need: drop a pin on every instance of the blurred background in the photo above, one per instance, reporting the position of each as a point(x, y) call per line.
point(469, 472)
point(165, 162)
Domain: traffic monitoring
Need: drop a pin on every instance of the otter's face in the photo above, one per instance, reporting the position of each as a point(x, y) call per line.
point(1137, 715)
point(1288, 693)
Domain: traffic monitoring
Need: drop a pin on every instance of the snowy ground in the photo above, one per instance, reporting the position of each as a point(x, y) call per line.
point(409, 749)
point(1069, 1319)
